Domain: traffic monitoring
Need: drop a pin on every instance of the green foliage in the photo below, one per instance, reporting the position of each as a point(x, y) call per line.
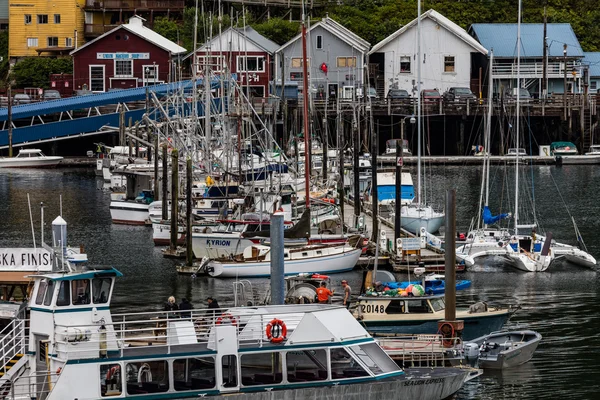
point(35, 71)
point(208, 26)
point(4, 55)
point(278, 30)
point(167, 28)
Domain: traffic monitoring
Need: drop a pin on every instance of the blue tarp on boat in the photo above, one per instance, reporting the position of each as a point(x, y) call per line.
point(489, 219)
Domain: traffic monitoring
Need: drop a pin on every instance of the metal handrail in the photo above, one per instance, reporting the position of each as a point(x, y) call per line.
point(13, 341)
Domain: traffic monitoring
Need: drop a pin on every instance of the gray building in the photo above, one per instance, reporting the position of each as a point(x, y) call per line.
point(592, 62)
point(336, 59)
point(3, 14)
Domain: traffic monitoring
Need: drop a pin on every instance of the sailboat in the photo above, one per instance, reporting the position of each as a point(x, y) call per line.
point(418, 215)
point(526, 252)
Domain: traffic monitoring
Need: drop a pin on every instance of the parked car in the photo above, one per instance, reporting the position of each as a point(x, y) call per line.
point(398, 94)
point(522, 93)
point(21, 98)
point(459, 94)
point(371, 93)
point(430, 95)
point(51, 95)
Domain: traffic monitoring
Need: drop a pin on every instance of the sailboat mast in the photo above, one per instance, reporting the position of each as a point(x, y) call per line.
point(305, 112)
point(488, 134)
point(419, 102)
point(517, 122)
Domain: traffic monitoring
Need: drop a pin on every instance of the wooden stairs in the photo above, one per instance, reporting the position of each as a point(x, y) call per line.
point(11, 363)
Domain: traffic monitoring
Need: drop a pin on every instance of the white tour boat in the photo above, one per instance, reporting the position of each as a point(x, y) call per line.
point(30, 158)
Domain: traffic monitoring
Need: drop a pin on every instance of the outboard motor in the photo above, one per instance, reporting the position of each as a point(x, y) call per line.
point(471, 351)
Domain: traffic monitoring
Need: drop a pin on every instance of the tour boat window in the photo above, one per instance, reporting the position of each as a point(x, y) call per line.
point(229, 365)
point(49, 293)
point(111, 383)
point(64, 294)
point(395, 307)
point(101, 290)
point(39, 299)
point(261, 368)
point(304, 254)
point(81, 291)
point(437, 304)
point(147, 377)
point(374, 358)
point(306, 365)
point(344, 366)
point(194, 373)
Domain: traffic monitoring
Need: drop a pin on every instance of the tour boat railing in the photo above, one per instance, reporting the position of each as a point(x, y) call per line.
point(165, 331)
point(421, 350)
point(13, 341)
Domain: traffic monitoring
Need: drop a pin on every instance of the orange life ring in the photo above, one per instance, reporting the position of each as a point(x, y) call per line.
point(231, 318)
point(319, 276)
point(447, 331)
point(276, 331)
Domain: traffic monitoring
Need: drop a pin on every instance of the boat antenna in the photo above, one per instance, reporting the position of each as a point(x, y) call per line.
point(42, 222)
point(305, 110)
point(31, 220)
point(60, 201)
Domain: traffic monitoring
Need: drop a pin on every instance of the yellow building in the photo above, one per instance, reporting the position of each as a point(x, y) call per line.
point(45, 27)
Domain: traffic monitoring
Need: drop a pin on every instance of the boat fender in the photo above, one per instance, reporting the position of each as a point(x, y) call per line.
point(276, 331)
point(231, 318)
point(318, 276)
point(447, 331)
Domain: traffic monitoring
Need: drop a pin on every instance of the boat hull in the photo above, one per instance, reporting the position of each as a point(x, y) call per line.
point(128, 213)
point(219, 245)
point(30, 162)
point(330, 264)
point(414, 224)
point(514, 352)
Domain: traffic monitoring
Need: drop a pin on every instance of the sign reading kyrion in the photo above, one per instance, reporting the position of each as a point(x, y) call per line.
point(25, 259)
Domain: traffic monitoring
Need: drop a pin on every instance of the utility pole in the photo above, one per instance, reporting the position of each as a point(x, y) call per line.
point(545, 59)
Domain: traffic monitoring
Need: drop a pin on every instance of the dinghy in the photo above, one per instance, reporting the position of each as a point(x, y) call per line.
point(500, 350)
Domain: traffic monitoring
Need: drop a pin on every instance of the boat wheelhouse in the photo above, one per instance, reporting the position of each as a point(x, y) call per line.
point(73, 347)
point(420, 315)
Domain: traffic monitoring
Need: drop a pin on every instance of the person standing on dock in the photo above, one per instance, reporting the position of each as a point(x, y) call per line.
point(324, 294)
point(347, 293)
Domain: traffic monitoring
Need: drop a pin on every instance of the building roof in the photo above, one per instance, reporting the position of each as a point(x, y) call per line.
point(440, 20)
point(136, 26)
point(593, 60)
point(250, 34)
point(502, 38)
point(337, 30)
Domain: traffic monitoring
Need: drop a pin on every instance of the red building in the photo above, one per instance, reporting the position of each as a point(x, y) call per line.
point(245, 53)
point(128, 56)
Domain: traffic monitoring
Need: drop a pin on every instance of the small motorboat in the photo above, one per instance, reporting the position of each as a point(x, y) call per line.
point(500, 350)
point(30, 158)
point(433, 284)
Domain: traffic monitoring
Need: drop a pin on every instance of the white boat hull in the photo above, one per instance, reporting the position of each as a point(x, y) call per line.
point(30, 162)
point(413, 219)
point(128, 213)
point(584, 159)
point(330, 264)
point(217, 245)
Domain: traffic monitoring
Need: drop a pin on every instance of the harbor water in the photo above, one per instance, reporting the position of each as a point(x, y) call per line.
point(560, 304)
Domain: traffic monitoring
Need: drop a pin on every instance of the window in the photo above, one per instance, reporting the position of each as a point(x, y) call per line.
point(418, 306)
point(111, 383)
point(194, 373)
point(42, 18)
point(251, 64)
point(101, 290)
point(81, 291)
point(306, 365)
point(229, 365)
point(346, 62)
point(448, 63)
point(374, 358)
point(39, 298)
point(395, 307)
point(57, 18)
point(68, 42)
point(319, 42)
point(64, 294)
point(297, 63)
point(296, 76)
point(404, 63)
point(124, 68)
point(32, 42)
point(147, 377)
point(27, 19)
point(52, 41)
point(49, 293)
point(593, 85)
point(255, 371)
point(214, 63)
point(97, 78)
point(344, 366)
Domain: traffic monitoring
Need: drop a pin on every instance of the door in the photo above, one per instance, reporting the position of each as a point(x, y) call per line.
point(332, 91)
point(42, 366)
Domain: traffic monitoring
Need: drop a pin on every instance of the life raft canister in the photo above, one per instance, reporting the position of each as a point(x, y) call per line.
point(276, 331)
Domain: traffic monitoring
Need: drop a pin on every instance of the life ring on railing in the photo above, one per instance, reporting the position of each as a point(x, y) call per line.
point(111, 372)
point(231, 318)
point(276, 331)
point(447, 331)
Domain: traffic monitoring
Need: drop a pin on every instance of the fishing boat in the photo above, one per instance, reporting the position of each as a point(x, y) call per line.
point(386, 314)
point(500, 350)
point(88, 352)
point(129, 212)
point(255, 261)
point(30, 158)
